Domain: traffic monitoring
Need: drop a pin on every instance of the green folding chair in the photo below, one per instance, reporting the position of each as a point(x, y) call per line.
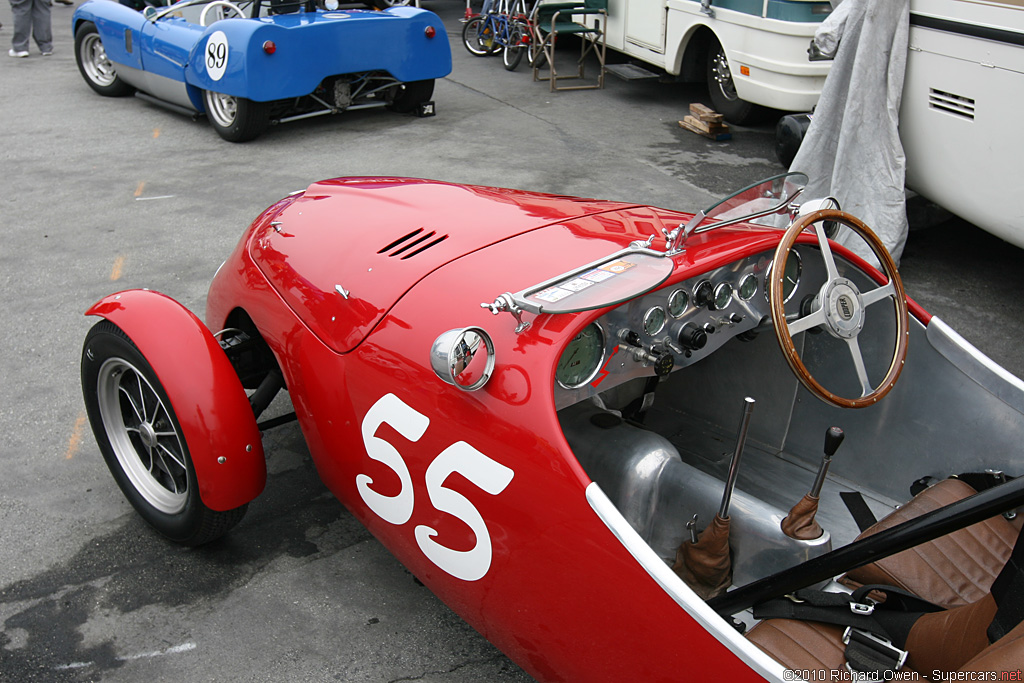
point(587, 20)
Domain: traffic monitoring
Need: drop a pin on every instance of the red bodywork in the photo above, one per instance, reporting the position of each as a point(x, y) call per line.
point(351, 316)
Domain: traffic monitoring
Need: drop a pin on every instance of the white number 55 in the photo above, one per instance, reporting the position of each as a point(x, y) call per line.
point(488, 475)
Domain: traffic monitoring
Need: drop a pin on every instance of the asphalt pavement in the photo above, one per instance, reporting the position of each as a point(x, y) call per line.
point(100, 195)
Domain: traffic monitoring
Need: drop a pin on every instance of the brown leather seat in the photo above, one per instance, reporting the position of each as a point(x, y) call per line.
point(953, 640)
point(952, 570)
point(955, 571)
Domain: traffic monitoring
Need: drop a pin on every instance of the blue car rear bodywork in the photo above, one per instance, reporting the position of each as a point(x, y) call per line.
point(297, 60)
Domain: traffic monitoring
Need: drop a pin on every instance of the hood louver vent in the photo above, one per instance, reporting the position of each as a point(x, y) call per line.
point(954, 104)
point(416, 242)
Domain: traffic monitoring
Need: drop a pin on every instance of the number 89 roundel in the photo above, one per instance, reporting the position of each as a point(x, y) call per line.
point(217, 55)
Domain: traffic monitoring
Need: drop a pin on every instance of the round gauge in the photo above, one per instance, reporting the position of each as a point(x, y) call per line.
point(723, 295)
point(702, 293)
point(748, 286)
point(654, 320)
point(791, 277)
point(677, 303)
point(581, 358)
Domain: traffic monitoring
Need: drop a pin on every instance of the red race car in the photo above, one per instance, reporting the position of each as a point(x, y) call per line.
point(594, 429)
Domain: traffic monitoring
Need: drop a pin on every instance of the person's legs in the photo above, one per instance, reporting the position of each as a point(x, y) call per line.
point(41, 28)
point(22, 11)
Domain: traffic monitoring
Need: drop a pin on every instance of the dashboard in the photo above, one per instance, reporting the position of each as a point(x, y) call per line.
point(673, 327)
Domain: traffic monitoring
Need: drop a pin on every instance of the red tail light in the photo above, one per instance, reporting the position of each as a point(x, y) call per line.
point(269, 47)
point(430, 32)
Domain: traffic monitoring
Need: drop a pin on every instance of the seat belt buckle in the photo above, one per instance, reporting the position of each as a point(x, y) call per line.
point(862, 609)
point(882, 652)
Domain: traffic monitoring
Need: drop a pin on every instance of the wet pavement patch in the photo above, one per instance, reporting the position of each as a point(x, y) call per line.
point(133, 567)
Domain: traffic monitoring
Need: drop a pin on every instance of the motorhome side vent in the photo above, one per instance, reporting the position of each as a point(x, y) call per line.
point(416, 242)
point(954, 104)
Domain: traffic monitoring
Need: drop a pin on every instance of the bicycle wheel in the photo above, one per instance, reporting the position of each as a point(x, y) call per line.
point(478, 36)
point(513, 52)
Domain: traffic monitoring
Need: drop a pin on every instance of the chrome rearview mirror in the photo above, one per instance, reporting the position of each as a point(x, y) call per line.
point(812, 205)
point(463, 357)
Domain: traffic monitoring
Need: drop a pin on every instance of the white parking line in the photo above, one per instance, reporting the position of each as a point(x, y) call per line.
point(177, 649)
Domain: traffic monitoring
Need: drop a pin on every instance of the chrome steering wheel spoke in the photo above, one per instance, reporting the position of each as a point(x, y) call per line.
point(878, 294)
point(826, 252)
point(858, 363)
point(811, 320)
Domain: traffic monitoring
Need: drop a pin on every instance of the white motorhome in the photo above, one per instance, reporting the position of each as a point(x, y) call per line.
point(961, 107)
point(751, 52)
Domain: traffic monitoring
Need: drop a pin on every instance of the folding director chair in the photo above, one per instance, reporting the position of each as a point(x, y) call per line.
point(586, 19)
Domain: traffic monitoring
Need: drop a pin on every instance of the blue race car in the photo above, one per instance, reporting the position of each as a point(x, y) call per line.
point(251, 63)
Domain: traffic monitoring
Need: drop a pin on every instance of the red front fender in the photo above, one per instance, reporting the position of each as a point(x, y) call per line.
point(204, 390)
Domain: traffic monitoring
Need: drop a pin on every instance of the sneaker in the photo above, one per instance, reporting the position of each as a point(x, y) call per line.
point(17, 53)
point(47, 53)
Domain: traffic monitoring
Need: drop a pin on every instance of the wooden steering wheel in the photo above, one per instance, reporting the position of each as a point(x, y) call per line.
point(839, 308)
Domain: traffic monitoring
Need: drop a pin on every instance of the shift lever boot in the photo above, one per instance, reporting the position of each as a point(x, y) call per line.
point(706, 566)
point(800, 522)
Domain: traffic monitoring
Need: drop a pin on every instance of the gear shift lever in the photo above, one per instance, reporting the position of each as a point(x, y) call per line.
point(800, 522)
point(704, 563)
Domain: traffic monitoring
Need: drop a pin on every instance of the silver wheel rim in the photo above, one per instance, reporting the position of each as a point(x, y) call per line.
point(723, 76)
point(95, 62)
point(221, 108)
point(143, 437)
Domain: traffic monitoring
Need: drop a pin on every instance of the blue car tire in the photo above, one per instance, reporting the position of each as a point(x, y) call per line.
point(97, 69)
point(236, 119)
point(411, 95)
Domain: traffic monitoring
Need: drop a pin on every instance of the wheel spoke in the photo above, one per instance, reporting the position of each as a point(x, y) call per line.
point(142, 397)
point(826, 252)
point(151, 462)
point(858, 363)
point(178, 460)
point(878, 293)
point(807, 322)
point(131, 401)
point(166, 471)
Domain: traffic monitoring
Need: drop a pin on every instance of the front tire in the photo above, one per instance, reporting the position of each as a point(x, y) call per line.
point(478, 36)
point(512, 54)
point(94, 65)
point(142, 441)
point(236, 119)
point(722, 90)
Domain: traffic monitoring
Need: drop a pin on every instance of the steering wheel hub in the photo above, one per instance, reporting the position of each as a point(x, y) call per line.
point(844, 308)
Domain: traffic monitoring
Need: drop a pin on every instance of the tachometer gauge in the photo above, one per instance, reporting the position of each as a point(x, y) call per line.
point(654, 320)
point(677, 303)
point(582, 358)
point(791, 277)
point(723, 295)
point(748, 287)
point(702, 293)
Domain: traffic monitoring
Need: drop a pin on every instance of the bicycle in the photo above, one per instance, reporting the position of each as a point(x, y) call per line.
point(505, 28)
